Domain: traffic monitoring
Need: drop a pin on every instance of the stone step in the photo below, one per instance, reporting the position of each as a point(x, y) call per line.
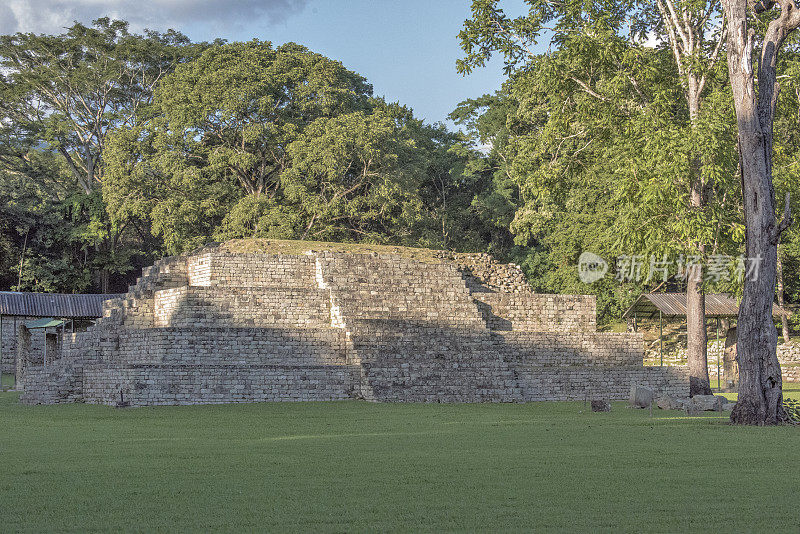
point(196, 306)
point(213, 346)
point(591, 349)
point(147, 385)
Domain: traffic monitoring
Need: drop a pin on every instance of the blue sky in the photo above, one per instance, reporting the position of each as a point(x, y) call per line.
point(406, 49)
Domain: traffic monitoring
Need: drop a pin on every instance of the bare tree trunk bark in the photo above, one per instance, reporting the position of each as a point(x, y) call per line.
point(729, 368)
point(760, 385)
point(105, 276)
point(782, 299)
point(696, 333)
point(696, 337)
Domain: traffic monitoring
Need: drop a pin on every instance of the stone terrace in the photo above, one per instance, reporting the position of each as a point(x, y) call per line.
point(222, 326)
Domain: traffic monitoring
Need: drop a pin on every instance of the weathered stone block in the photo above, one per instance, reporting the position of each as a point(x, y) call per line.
point(641, 397)
point(708, 403)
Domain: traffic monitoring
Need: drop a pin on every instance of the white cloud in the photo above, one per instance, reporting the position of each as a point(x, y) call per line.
point(52, 16)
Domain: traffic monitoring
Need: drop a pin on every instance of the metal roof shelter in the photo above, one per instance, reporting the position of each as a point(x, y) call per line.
point(50, 308)
point(53, 304)
point(672, 305)
point(718, 306)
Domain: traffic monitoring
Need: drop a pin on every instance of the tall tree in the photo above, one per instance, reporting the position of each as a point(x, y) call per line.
point(69, 90)
point(599, 53)
point(760, 384)
point(63, 94)
point(688, 24)
point(250, 140)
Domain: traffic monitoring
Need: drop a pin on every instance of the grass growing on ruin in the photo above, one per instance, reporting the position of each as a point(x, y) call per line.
point(355, 466)
point(288, 246)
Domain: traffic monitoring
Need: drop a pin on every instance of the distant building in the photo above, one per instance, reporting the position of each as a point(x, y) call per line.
point(48, 316)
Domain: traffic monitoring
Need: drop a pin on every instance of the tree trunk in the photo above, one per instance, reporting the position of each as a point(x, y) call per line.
point(729, 368)
point(760, 386)
point(782, 299)
point(105, 276)
point(696, 334)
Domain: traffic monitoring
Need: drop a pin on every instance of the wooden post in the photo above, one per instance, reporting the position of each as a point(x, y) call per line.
point(719, 384)
point(1, 352)
point(14, 337)
point(661, 337)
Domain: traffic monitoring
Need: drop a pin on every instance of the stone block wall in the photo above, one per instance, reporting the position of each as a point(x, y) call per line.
point(252, 270)
point(59, 382)
point(8, 348)
point(8, 351)
point(200, 307)
point(586, 383)
point(789, 358)
point(163, 274)
point(387, 287)
point(199, 269)
point(790, 372)
point(551, 349)
point(482, 272)
point(789, 352)
point(215, 346)
point(206, 384)
point(533, 312)
point(420, 363)
point(227, 346)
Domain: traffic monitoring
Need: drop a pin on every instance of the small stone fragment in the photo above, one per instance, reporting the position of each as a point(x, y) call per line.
point(692, 409)
point(641, 397)
point(708, 403)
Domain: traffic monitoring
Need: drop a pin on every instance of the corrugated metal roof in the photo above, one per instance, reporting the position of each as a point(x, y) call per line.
point(53, 304)
point(674, 305)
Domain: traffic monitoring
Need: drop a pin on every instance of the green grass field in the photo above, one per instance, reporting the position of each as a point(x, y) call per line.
point(356, 466)
point(6, 381)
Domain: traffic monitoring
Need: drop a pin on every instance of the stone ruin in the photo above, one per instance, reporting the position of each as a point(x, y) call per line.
point(218, 326)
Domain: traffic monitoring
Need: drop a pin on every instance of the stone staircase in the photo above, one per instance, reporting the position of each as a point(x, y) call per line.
point(416, 332)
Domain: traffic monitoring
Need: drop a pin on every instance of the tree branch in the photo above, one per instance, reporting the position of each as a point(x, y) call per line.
point(786, 221)
point(588, 89)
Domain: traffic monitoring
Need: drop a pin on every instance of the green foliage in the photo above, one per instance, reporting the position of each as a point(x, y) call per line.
point(60, 95)
point(792, 408)
point(218, 135)
point(69, 90)
point(193, 142)
point(254, 141)
point(601, 143)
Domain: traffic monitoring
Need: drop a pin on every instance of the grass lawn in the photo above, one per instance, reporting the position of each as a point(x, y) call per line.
point(6, 381)
point(356, 466)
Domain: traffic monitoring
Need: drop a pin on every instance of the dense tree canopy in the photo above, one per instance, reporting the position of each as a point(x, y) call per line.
point(254, 141)
point(59, 97)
